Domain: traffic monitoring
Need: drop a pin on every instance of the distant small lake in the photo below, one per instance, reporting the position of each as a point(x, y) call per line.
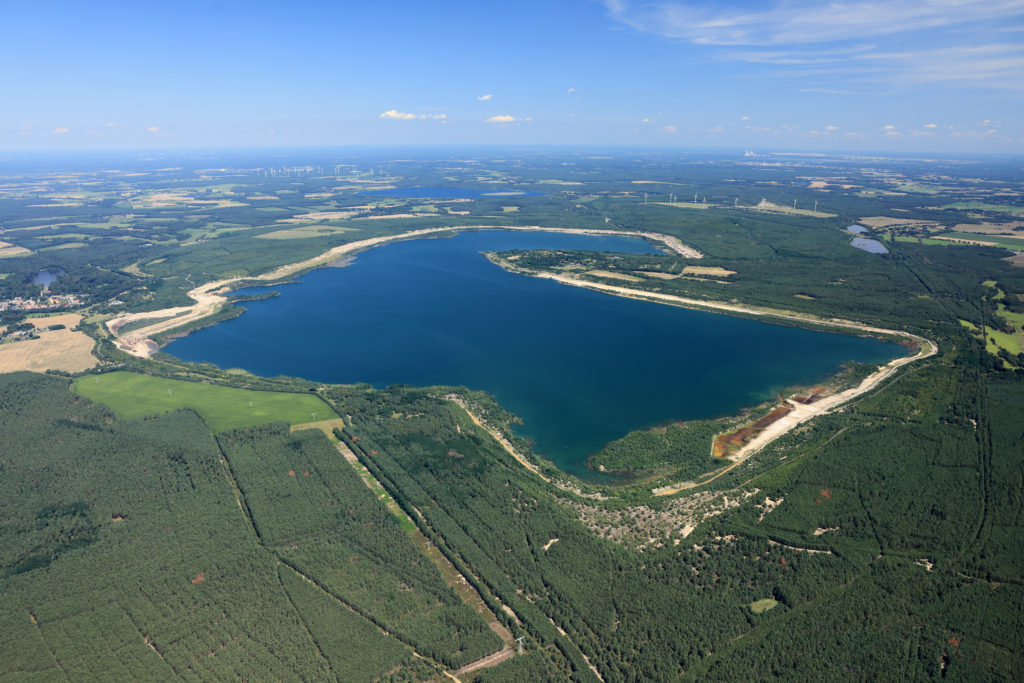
point(581, 368)
point(869, 245)
point(449, 193)
point(46, 278)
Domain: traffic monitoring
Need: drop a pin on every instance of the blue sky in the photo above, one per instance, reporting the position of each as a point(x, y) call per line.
point(923, 76)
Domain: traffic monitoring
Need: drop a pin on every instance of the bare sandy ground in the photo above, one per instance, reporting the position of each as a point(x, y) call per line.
point(210, 297)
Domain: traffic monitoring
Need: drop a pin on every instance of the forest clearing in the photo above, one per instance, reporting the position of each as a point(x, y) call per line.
point(132, 395)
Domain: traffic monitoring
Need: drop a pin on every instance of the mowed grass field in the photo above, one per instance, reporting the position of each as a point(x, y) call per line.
point(132, 395)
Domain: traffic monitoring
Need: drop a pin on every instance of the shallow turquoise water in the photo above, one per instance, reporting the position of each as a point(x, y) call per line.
point(580, 367)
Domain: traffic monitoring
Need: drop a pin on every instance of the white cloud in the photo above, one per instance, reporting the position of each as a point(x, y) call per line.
point(803, 21)
point(502, 118)
point(153, 129)
point(744, 118)
point(931, 125)
point(831, 129)
point(570, 91)
point(645, 120)
point(397, 115)
point(890, 127)
point(112, 124)
point(403, 116)
point(869, 41)
point(484, 98)
point(716, 129)
point(669, 129)
point(60, 131)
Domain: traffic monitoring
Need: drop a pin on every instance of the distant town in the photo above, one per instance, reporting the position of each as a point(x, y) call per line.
point(43, 303)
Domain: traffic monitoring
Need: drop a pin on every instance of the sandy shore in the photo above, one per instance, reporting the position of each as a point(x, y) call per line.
point(801, 412)
point(211, 297)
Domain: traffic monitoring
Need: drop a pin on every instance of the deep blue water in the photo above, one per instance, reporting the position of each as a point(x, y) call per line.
point(580, 367)
point(450, 193)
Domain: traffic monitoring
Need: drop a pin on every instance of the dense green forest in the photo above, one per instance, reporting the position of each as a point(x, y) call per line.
point(155, 527)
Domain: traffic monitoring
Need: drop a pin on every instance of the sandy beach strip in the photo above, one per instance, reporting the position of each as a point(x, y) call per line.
point(801, 412)
point(211, 296)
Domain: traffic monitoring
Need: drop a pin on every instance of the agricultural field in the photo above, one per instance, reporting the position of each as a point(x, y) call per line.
point(132, 395)
point(65, 349)
point(1015, 243)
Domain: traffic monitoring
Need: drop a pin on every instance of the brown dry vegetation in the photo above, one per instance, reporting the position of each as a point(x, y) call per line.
point(65, 349)
point(708, 270)
point(733, 441)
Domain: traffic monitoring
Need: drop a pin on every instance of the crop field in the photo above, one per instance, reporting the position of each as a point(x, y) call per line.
point(131, 395)
point(64, 349)
point(1014, 243)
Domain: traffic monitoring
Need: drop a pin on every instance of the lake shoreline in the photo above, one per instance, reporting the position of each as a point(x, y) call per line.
point(211, 297)
point(797, 413)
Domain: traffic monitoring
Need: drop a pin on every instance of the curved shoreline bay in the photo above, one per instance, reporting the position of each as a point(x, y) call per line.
point(580, 367)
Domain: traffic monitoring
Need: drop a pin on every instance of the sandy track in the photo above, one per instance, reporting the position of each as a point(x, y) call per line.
point(490, 660)
point(210, 297)
point(497, 436)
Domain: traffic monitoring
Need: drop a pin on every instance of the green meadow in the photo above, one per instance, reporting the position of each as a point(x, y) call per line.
point(132, 395)
point(763, 605)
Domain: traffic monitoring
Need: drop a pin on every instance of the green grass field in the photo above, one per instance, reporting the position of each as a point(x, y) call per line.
point(763, 605)
point(982, 206)
point(999, 240)
point(917, 240)
point(996, 340)
point(132, 395)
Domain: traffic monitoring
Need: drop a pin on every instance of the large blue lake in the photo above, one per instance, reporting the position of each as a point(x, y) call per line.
point(579, 367)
